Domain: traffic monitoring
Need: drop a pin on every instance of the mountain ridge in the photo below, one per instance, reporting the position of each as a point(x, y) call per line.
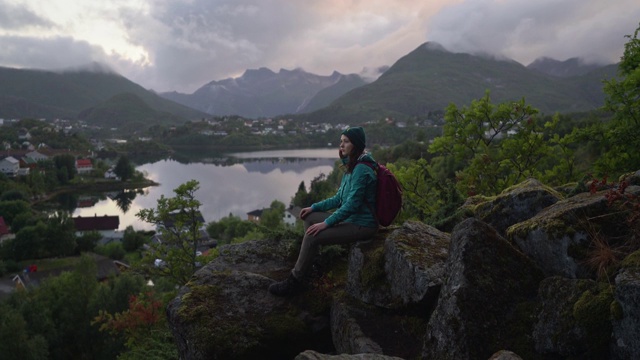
point(424, 81)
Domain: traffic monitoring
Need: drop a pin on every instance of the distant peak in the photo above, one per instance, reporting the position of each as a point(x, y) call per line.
point(434, 46)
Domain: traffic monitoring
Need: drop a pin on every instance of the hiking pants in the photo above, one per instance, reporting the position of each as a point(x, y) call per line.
point(342, 233)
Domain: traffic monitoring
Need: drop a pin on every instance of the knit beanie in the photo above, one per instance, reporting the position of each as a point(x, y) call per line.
point(356, 135)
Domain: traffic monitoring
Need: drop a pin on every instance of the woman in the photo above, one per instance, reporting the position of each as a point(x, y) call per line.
point(352, 221)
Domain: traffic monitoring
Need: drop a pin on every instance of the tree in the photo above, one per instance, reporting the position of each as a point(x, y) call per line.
point(179, 220)
point(493, 146)
point(61, 238)
point(132, 240)
point(300, 197)
point(17, 341)
point(272, 218)
point(124, 169)
point(622, 140)
point(66, 167)
point(229, 228)
point(87, 241)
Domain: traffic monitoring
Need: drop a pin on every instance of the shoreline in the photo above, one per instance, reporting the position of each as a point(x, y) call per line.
point(95, 186)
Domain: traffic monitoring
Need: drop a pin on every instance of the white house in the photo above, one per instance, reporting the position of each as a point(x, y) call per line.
point(10, 166)
point(291, 215)
point(36, 156)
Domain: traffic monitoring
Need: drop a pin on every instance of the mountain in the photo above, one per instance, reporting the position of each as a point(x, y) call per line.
point(430, 78)
point(264, 93)
point(567, 68)
point(47, 94)
point(128, 113)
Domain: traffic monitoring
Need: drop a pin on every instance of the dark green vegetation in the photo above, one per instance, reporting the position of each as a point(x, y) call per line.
point(430, 78)
point(46, 94)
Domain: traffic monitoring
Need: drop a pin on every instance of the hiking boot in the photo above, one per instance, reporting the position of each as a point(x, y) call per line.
point(287, 287)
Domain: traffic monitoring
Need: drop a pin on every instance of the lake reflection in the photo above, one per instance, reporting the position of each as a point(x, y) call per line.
point(252, 183)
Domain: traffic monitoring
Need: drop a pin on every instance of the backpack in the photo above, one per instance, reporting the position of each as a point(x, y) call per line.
point(388, 195)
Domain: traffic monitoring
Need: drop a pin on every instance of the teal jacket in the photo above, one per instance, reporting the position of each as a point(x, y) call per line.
point(349, 201)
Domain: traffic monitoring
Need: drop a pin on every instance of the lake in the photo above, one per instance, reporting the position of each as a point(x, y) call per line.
point(236, 184)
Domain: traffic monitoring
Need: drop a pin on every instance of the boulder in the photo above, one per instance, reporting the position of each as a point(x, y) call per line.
point(515, 204)
point(225, 311)
point(574, 319)
point(626, 314)
point(314, 355)
point(416, 292)
point(406, 269)
point(483, 302)
point(558, 238)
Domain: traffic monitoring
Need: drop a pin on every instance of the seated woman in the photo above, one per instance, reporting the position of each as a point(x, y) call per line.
point(353, 219)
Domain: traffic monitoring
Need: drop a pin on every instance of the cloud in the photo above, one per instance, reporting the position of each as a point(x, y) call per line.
point(54, 53)
point(183, 44)
point(16, 17)
point(525, 30)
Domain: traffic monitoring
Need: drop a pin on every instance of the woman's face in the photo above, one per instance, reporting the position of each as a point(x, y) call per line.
point(345, 145)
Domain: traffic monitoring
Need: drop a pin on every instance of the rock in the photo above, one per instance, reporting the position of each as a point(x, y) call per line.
point(505, 355)
point(626, 317)
point(313, 355)
point(558, 238)
point(516, 204)
point(416, 292)
point(407, 269)
point(574, 319)
point(479, 308)
point(346, 332)
point(226, 311)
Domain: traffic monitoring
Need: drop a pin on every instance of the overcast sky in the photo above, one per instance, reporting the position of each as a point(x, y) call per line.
point(181, 45)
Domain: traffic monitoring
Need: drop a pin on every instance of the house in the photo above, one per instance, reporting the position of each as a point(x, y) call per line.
point(84, 166)
point(10, 166)
point(111, 174)
point(255, 215)
point(23, 134)
point(106, 225)
point(291, 215)
point(36, 156)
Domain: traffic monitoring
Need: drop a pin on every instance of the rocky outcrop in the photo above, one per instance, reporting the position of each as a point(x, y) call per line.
point(515, 204)
point(478, 310)
point(531, 275)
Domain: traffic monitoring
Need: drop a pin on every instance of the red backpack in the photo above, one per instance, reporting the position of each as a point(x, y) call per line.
point(388, 195)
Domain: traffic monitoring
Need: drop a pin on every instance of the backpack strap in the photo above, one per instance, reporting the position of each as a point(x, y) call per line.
point(375, 172)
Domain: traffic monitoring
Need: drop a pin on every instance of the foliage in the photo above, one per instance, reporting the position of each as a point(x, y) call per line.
point(87, 241)
point(113, 250)
point(493, 146)
point(53, 236)
point(425, 197)
point(133, 240)
point(143, 325)
point(179, 221)
point(17, 341)
point(229, 228)
point(622, 135)
point(272, 217)
point(65, 166)
point(12, 208)
point(124, 169)
point(53, 321)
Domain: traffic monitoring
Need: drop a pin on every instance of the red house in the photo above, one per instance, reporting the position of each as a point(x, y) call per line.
point(84, 166)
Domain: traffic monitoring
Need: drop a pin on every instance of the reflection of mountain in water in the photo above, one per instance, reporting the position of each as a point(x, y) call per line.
point(265, 166)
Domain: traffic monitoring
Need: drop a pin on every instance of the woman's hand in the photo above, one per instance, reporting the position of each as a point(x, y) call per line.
point(316, 228)
point(304, 212)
